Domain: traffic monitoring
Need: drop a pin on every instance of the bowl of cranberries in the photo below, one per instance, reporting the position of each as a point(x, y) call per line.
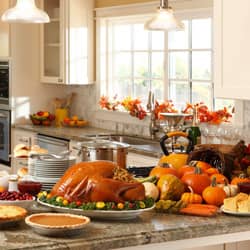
point(24, 200)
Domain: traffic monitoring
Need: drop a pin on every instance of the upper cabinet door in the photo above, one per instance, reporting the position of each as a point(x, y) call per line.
point(52, 46)
point(67, 42)
point(232, 49)
point(4, 31)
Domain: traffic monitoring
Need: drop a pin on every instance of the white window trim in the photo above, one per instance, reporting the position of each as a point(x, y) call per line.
point(145, 9)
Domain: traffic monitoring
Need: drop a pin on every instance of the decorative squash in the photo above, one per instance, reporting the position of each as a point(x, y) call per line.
point(201, 164)
point(151, 190)
point(211, 171)
point(220, 178)
point(231, 190)
point(176, 160)
point(213, 194)
point(240, 178)
point(191, 197)
point(160, 171)
point(171, 187)
point(198, 181)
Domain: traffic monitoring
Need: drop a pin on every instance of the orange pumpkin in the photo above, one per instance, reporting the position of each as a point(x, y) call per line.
point(198, 181)
point(213, 194)
point(220, 178)
point(240, 178)
point(191, 197)
point(186, 169)
point(160, 171)
point(211, 171)
point(201, 164)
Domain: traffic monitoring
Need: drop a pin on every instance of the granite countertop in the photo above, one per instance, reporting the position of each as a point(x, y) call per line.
point(88, 133)
point(65, 132)
point(148, 228)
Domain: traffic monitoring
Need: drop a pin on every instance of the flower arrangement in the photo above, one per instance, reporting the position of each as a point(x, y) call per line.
point(136, 109)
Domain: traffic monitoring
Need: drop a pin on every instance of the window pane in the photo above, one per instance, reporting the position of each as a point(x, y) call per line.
point(157, 64)
point(179, 93)
point(121, 87)
point(122, 65)
point(157, 89)
point(202, 92)
point(178, 65)
point(123, 31)
point(140, 37)
point(141, 64)
point(201, 33)
point(178, 39)
point(201, 65)
point(158, 40)
point(141, 87)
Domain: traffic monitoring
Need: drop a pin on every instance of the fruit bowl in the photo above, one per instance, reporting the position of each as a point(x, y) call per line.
point(44, 118)
point(74, 121)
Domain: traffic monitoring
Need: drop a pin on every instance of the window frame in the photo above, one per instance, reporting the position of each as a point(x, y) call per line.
point(105, 14)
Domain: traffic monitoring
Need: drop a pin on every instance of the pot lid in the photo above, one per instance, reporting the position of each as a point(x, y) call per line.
point(103, 144)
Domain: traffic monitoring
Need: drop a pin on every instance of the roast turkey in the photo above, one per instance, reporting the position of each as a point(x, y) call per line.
point(93, 181)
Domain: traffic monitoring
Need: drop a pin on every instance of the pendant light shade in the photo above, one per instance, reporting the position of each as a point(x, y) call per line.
point(25, 11)
point(164, 19)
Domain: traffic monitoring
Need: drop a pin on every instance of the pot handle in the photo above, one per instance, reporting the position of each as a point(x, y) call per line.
point(176, 133)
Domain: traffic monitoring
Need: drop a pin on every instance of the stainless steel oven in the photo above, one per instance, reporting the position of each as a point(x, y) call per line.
point(5, 125)
point(4, 84)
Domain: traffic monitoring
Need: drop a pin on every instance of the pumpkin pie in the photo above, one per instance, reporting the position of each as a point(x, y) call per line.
point(57, 220)
point(11, 213)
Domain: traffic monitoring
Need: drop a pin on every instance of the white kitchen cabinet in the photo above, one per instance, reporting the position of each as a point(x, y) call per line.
point(67, 43)
point(231, 49)
point(4, 31)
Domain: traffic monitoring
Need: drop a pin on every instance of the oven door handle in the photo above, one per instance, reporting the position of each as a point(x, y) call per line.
point(53, 142)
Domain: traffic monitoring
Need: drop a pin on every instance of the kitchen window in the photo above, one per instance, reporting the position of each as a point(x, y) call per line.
point(174, 65)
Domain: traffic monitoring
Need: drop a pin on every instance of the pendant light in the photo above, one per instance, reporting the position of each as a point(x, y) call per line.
point(164, 19)
point(25, 11)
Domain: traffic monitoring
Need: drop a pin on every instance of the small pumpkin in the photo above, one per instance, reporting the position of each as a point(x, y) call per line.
point(220, 178)
point(186, 169)
point(159, 171)
point(231, 190)
point(211, 171)
point(171, 187)
point(198, 181)
point(191, 197)
point(213, 194)
point(201, 164)
point(240, 178)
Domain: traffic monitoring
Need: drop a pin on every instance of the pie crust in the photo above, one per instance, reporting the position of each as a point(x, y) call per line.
point(57, 220)
point(11, 213)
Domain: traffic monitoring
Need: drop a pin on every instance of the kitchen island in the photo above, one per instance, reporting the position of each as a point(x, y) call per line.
point(150, 229)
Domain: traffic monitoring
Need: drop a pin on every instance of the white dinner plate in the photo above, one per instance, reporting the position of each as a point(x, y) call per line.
point(100, 214)
point(234, 213)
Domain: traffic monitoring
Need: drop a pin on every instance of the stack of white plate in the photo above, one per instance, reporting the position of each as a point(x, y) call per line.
point(49, 170)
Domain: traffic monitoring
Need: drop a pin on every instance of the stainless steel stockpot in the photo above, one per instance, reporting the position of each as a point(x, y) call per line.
point(104, 150)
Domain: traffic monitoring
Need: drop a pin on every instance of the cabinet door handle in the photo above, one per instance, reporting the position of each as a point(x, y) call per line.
point(60, 80)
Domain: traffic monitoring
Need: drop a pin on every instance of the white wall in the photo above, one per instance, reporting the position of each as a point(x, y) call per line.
point(29, 95)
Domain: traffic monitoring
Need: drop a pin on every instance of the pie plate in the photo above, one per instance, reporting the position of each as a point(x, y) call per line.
point(100, 214)
point(57, 224)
